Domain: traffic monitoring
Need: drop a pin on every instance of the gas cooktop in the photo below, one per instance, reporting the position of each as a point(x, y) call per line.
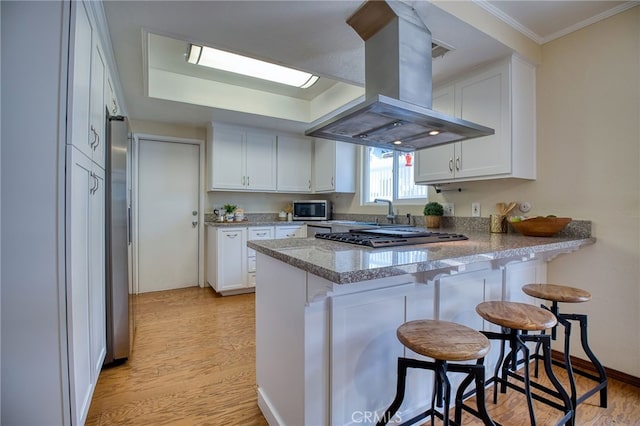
point(390, 237)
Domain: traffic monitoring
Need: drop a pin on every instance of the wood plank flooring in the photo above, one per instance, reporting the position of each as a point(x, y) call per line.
point(193, 363)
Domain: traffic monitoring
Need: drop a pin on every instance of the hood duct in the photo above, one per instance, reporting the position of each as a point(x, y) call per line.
point(396, 113)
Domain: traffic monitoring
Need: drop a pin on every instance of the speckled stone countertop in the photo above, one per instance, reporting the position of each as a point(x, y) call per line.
point(343, 263)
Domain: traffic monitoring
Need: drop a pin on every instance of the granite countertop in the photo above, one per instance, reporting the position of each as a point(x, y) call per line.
point(254, 223)
point(346, 263)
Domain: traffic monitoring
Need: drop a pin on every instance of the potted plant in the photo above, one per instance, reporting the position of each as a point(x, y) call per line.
point(433, 212)
point(229, 210)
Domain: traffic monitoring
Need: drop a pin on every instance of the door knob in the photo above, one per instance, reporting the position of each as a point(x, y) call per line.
point(195, 213)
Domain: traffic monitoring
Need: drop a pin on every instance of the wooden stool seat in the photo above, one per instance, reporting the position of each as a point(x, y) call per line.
point(443, 340)
point(557, 293)
point(515, 315)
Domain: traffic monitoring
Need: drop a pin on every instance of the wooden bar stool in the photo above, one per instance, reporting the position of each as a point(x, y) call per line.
point(517, 320)
point(443, 341)
point(560, 293)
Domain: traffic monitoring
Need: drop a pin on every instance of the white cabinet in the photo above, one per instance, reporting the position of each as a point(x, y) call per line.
point(86, 281)
point(256, 233)
point(110, 98)
point(502, 97)
point(80, 78)
point(291, 231)
point(227, 256)
point(334, 166)
point(294, 164)
point(98, 112)
point(231, 265)
point(241, 159)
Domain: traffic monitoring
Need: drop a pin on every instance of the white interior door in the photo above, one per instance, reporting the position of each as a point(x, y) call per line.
point(168, 188)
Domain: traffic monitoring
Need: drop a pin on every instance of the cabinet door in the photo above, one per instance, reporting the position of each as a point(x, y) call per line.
point(80, 74)
point(110, 100)
point(232, 259)
point(212, 252)
point(98, 115)
point(294, 164)
point(324, 165)
point(80, 182)
point(226, 158)
point(484, 99)
point(344, 167)
point(438, 162)
point(260, 161)
point(97, 271)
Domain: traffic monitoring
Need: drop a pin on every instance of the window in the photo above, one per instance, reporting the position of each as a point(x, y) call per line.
point(389, 175)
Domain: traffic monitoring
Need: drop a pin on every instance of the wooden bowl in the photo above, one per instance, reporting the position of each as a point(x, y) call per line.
point(540, 226)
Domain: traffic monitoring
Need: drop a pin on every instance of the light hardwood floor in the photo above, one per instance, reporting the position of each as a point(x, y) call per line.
point(193, 363)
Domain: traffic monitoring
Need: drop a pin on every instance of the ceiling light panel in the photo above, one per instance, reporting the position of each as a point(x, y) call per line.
point(231, 62)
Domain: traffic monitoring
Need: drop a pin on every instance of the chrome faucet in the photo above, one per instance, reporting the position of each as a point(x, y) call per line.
point(390, 215)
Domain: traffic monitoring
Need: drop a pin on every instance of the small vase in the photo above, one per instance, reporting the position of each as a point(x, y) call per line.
point(432, 221)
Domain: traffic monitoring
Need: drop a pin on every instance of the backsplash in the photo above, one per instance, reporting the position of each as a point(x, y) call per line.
point(576, 228)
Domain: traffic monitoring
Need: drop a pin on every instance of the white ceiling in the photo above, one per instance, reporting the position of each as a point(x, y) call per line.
point(310, 35)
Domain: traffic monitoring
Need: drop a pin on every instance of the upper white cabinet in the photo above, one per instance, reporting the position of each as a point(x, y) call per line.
point(294, 164)
point(334, 166)
point(80, 77)
point(241, 159)
point(97, 126)
point(500, 96)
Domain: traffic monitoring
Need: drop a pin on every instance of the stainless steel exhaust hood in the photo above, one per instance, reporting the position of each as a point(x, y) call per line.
point(396, 113)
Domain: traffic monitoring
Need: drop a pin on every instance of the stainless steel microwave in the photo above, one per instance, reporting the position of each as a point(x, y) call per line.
point(311, 210)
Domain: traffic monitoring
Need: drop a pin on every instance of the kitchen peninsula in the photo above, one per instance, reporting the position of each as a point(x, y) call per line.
point(327, 313)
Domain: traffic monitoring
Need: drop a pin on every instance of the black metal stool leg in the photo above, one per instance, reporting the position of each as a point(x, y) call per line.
point(568, 407)
point(521, 346)
point(397, 401)
point(480, 401)
point(602, 375)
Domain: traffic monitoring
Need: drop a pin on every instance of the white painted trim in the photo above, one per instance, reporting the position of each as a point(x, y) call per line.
point(498, 13)
point(201, 199)
point(507, 19)
point(604, 15)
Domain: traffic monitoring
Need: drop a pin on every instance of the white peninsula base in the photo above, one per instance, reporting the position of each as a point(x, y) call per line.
point(327, 353)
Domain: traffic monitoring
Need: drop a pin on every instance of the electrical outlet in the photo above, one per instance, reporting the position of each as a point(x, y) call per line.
point(475, 209)
point(525, 207)
point(448, 209)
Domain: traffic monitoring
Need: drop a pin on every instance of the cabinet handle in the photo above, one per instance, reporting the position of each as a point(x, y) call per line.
point(95, 137)
point(96, 184)
point(232, 235)
point(309, 183)
point(115, 106)
point(243, 180)
point(332, 181)
point(261, 234)
point(248, 177)
point(451, 164)
point(457, 163)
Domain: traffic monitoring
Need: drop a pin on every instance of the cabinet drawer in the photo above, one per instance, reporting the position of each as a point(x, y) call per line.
point(251, 264)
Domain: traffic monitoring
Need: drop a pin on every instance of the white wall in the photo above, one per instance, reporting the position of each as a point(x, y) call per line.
point(34, 375)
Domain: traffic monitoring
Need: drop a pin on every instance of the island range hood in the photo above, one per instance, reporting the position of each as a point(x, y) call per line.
point(396, 113)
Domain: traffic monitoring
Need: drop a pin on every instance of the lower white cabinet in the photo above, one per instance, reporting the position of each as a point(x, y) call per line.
point(86, 279)
point(291, 231)
point(231, 265)
point(227, 259)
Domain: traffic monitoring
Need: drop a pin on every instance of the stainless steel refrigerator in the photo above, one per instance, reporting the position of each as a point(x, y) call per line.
point(120, 303)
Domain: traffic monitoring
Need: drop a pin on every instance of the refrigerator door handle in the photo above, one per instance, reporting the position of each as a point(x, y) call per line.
point(129, 225)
